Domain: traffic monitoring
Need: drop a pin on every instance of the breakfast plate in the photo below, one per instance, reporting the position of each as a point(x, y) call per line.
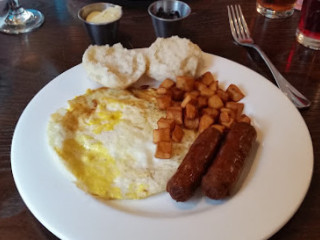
point(273, 186)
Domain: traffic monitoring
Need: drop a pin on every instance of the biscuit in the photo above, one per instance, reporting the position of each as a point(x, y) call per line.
point(174, 56)
point(114, 66)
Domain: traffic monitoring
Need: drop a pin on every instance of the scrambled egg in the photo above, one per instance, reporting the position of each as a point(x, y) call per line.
point(105, 139)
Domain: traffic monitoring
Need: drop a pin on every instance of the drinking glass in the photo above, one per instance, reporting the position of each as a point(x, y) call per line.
point(4, 10)
point(308, 32)
point(276, 8)
point(20, 20)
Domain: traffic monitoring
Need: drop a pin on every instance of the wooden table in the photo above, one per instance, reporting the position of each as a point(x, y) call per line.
point(29, 61)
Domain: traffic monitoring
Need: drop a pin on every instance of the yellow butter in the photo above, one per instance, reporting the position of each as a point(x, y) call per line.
point(108, 15)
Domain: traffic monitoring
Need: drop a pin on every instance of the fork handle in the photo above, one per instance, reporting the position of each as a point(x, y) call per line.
point(293, 94)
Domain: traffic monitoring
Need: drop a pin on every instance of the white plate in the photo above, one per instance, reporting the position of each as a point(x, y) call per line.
point(273, 189)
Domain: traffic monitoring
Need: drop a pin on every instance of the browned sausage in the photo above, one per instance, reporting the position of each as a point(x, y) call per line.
point(228, 164)
point(188, 176)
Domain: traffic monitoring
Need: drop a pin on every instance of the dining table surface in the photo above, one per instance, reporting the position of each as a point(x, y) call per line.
point(31, 60)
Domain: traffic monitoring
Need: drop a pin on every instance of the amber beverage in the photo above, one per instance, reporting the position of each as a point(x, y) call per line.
point(308, 32)
point(276, 8)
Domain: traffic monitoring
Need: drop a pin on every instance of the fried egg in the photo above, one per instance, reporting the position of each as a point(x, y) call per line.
point(104, 138)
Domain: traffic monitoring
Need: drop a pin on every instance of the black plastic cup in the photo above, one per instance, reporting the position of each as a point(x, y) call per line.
point(100, 33)
point(167, 17)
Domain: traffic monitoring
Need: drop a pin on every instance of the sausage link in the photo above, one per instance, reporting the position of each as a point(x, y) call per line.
point(184, 182)
point(228, 164)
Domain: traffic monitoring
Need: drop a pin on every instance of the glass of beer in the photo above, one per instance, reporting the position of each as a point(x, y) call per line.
point(276, 8)
point(308, 32)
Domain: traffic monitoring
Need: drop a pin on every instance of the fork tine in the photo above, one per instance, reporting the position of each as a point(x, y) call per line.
point(236, 23)
point(232, 27)
point(239, 21)
point(244, 23)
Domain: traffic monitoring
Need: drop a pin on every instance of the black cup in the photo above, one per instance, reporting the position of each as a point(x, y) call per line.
point(100, 33)
point(167, 17)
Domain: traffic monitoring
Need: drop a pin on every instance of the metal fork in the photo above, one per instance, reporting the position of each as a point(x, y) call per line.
point(241, 35)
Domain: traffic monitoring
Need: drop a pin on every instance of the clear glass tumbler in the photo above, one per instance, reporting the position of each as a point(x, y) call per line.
point(308, 32)
point(276, 8)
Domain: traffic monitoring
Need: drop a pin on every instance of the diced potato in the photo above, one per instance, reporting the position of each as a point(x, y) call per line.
point(185, 83)
point(207, 78)
point(244, 118)
point(166, 123)
point(177, 134)
point(214, 86)
point(194, 93)
point(207, 92)
point(164, 91)
point(224, 117)
point(229, 111)
point(223, 95)
point(199, 85)
point(175, 113)
point(161, 135)
point(215, 102)
point(164, 150)
point(210, 111)
point(228, 124)
point(164, 101)
point(219, 127)
point(202, 101)
point(167, 83)
point(236, 106)
point(191, 123)
point(175, 104)
point(234, 93)
point(205, 122)
point(191, 111)
point(188, 99)
point(177, 94)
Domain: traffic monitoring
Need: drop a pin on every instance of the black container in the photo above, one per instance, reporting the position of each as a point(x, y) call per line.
point(167, 17)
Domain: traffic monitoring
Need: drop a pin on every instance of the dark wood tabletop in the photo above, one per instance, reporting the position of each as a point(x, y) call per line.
point(29, 61)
